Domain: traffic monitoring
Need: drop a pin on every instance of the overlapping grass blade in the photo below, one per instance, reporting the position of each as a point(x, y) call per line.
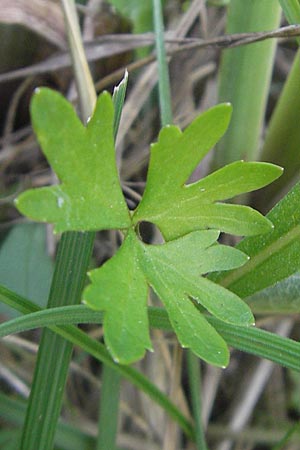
point(249, 339)
point(55, 353)
point(274, 256)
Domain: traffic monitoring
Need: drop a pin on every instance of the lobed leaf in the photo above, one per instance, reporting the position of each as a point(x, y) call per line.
point(177, 208)
point(120, 289)
point(89, 196)
point(173, 270)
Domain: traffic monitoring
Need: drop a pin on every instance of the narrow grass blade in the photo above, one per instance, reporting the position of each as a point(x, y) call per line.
point(238, 84)
point(258, 342)
point(283, 351)
point(54, 352)
point(109, 406)
point(118, 99)
point(287, 438)
point(194, 375)
point(163, 71)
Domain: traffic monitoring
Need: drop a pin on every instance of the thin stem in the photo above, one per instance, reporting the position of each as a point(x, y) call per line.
point(109, 406)
point(163, 71)
point(194, 375)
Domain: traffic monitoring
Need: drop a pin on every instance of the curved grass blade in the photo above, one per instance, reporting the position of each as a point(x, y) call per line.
point(258, 342)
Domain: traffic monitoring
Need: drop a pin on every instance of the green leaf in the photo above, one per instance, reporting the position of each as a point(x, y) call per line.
point(120, 289)
point(25, 265)
point(173, 270)
point(89, 196)
point(284, 133)
point(177, 208)
point(274, 256)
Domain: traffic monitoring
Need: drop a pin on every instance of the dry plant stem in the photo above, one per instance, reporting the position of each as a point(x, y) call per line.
point(84, 82)
point(14, 381)
point(11, 113)
point(10, 152)
point(227, 41)
point(203, 17)
point(88, 24)
point(87, 34)
point(251, 395)
point(181, 399)
point(211, 381)
point(171, 433)
point(114, 44)
point(44, 18)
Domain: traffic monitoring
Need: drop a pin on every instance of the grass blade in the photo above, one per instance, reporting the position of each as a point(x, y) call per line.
point(283, 351)
point(283, 131)
point(163, 70)
point(247, 93)
point(118, 99)
point(276, 255)
point(291, 9)
point(194, 374)
point(258, 342)
point(54, 352)
point(282, 141)
point(109, 406)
